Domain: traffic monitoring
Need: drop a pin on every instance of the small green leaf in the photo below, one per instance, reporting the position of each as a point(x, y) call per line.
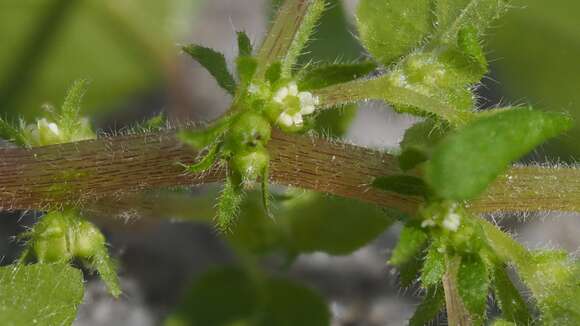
point(409, 272)
point(411, 242)
point(432, 303)
point(246, 67)
point(274, 72)
point(219, 297)
point(11, 133)
point(390, 29)
point(291, 304)
point(206, 161)
point(229, 204)
point(107, 269)
point(215, 63)
point(402, 184)
point(513, 307)
point(201, 138)
point(40, 294)
point(473, 286)
point(419, 142)
point(466, 162)
point(326, 75)
point(433, 268)
point(453, 15)
point(70, 111)
point(244, 44)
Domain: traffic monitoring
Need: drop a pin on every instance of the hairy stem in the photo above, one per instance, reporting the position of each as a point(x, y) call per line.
point(113, 167)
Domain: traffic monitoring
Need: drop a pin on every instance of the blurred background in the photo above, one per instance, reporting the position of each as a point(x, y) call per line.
point(129, 49)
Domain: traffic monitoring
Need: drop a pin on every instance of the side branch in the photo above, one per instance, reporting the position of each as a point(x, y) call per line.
point(111, 168)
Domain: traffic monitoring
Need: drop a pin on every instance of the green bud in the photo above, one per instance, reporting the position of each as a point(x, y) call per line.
point(248, 131)
point(49, 239)
point(250, 164)
point(87, 240)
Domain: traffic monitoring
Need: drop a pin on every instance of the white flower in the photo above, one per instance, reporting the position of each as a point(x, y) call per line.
point(452, 221)
point(291, 114)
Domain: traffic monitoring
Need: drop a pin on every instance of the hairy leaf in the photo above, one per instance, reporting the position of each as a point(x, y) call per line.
point(432, 303)
point(206, 161)
point(246, 67)
point(40, 294)
point(215, 63)
point(419, 142)
point(390, 29)
point(107, 269)
point(70, 110)
point(513, 307)
point(466, 162)
point(473, 286)
point(433, 268)
point(411, 241)
point(244, 44)
point(409, 272)
point(11, 133)
point(326, 75)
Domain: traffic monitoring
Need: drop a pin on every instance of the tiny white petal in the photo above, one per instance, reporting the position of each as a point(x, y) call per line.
point(54, 128)
point(451, 222)
point(285, 119)
point(281, 95)
point(297, 118)
point(306, 110)
point(292, 89)
point(306, 98)
point(427, 223)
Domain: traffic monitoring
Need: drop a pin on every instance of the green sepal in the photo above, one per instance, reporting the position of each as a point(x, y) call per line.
point(206, 161)
point(512, 305)
point(215, 63)
point(429, 308)
point(402, 184)
point(411, 242)
point(69, 118)
point(229, 203)
point(201, 138)
point(107, 268)
point(390, 29)
point(456, 170)
point(473, 286)
point(326, 75)
point(433, 267)
point(244, 44)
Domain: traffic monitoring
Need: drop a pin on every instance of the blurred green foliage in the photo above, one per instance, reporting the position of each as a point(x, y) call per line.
point(536, 47)
point(120, 46)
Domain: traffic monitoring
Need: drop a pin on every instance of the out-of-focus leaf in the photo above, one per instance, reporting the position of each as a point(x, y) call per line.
point(40, 294)
point(513, 307)
point(244, 44)
point(291, 304)
point(49, 43)
point(334, 225)
point(326, 75)
point(455, 170)
point(402, 184)
point(390, 29)
point(411, 242)
point(219, 297)
point(548, 75)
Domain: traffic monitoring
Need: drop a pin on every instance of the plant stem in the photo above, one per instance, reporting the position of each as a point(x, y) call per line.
point(457, 315)
point(113, 167)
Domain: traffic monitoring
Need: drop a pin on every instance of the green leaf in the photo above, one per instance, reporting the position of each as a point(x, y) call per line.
point(513, 307)
point(12, 133)
point(274, 72)
point(409, 272)
point(291, 304)
point(70, 111)
point(107, 269)
point(402, 184)
point(390, 29)
point(246, 67)
point(200, 138)
point(411, 242)
point(326, 75)
point(40, 294)
point(432, 303)
point(337, 226)
point(215, 63)
point(473, 286)
point(466, 162)
point(206, 161)
point(244, 44)
point(453, 15)
point(219, 297)
point(419, 142)
point(433, 268)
